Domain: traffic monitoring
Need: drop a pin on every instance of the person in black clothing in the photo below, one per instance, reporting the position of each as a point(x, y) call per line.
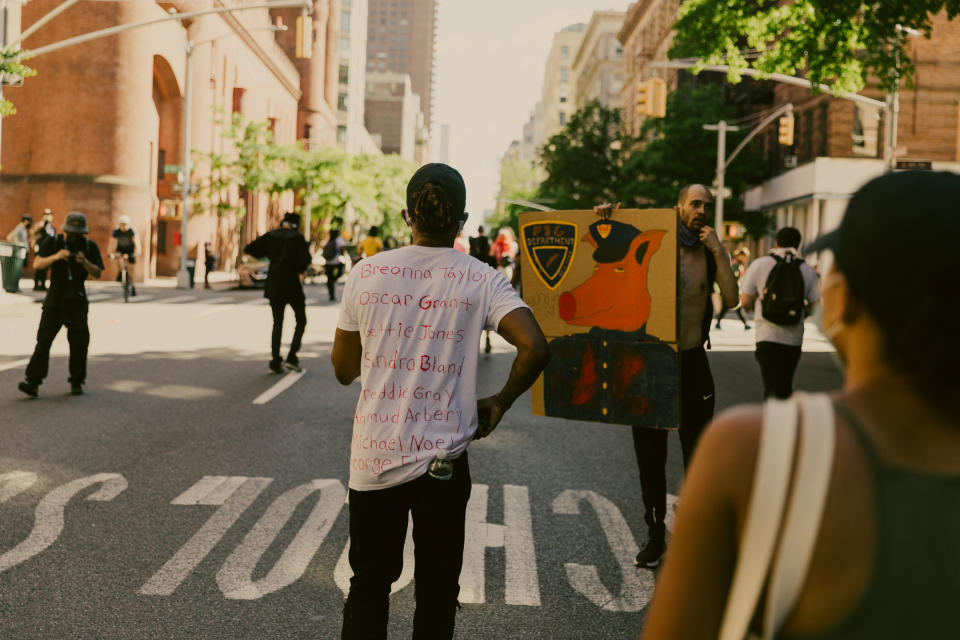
point(71, 258)
point(44, 231)
point(289, 257)
point(124, 240)
point(209, 263)
point(480, 248)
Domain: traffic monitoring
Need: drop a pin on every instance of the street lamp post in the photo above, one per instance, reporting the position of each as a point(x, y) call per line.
point(183, 276)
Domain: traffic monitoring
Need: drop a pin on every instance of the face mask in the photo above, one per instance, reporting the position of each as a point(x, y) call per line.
point(687, 236)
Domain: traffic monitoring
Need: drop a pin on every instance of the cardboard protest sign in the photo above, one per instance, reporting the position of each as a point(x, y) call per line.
point(605, 293)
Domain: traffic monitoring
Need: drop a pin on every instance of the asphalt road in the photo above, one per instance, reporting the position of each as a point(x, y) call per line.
point(166, 503)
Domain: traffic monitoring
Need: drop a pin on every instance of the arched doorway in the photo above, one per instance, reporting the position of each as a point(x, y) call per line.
point(164, 256)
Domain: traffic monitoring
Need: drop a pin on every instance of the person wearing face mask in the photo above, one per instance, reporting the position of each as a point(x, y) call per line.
point(71, 257)
point(885, 559)
point(703, 261)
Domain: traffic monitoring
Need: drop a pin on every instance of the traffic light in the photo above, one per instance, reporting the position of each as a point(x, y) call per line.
point(304, 36)
point(652, 98)
point(642, 99)
point(786, 130)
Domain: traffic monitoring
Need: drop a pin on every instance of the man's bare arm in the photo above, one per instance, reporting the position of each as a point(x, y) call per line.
point(747, 301)
point(345, 356)
point(726, 280)
point(520, 329)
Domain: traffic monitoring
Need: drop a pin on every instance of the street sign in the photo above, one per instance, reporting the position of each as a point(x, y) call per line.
point(172, 168)
point(905, 163)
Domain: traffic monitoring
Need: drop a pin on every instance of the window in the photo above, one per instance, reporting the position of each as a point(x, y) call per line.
point(306, 132)
point(344, 44)
point(344, 74)
point(564, 52)
point(342, 102)
point(866, 125)
point(564, 74)
point(238, 99)
point(345, 21)
point(563, 119)
point(342, 134)
point(563, 98)
point(619, 51)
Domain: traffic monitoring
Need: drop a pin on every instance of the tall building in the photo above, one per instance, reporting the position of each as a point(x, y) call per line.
point(352, 135)
point(559, 85)
point(402, 38)
point(100, 128)
point(393, 114)
point(598, 63)
point(646, 35)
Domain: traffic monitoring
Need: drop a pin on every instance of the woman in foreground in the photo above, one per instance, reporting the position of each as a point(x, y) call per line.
point(886, 562)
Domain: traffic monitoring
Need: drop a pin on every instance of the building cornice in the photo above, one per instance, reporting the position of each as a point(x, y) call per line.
point(634, 13)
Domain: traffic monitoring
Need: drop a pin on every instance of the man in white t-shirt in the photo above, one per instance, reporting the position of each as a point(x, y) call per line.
point(778, 345)
point(410, 320)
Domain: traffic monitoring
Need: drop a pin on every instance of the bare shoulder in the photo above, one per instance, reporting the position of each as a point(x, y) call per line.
point(727, 451)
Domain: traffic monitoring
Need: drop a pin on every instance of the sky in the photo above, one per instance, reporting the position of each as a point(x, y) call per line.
point(489, 70)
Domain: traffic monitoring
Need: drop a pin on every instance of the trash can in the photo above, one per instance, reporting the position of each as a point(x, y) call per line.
point(12, 257)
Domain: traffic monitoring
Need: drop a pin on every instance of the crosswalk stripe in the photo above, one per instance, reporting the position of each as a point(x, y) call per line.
point(178, 299)
point(14, 365)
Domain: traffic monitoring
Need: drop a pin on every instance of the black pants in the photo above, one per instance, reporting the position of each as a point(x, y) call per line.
point(378, 529)
point(277, 305)
point(40, 277)
point(778, 363)
point(333, 271)
point(650, 445)
point(724, 310)
point(73, 316)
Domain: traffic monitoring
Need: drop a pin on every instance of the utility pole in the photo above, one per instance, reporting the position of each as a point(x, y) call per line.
point(183, 276)
point(721, 128)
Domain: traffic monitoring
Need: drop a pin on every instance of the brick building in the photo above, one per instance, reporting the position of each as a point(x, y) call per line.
point(100, 127)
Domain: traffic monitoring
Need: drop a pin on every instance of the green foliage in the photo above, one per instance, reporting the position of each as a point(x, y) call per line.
point(833, 42)
point(323, 180)
point(519, 180)
point(585, 162)
point(679, 151)
point(11, 65)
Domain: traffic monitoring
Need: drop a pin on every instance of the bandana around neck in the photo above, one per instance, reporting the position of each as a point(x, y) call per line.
point(688, 237)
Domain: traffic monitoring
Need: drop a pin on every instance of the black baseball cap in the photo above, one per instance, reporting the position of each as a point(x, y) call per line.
point(887, 244)
point(76, 223)
point(445, 177)
point(292, 219)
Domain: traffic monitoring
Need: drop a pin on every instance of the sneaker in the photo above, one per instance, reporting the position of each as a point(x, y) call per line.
point(651, 554)
point(747, 327)
point(29, 388)
point(292, 364)
point(276, 366)
point(76, 389)
point(717, 326)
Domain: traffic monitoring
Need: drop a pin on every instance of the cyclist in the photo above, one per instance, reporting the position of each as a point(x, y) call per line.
point(124, 241)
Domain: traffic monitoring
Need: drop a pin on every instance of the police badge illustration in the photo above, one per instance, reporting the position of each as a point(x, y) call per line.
point(550, 245)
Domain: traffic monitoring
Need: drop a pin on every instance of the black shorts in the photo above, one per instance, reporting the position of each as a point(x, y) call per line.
point(129, 253)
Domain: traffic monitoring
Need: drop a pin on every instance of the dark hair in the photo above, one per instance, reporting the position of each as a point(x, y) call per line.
point(432, 212)
point(334, 234)
point(788, 237)
point(374, 231)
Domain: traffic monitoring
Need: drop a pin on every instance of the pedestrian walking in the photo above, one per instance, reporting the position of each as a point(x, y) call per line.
point(372, 244)
point(409, 333)
point(739, 264)
point(209, 263)
point(703, 261)
point(333, 265)
point(21, 233)
point(43, 231)
point(289, 257)
point(879, 558)
point(71, 258)
point(782, 289)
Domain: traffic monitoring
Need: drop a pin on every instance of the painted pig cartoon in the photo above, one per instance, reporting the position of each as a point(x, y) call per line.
point(622, 255)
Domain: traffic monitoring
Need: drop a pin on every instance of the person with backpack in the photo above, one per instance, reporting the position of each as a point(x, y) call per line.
point(71, 258)
point(333, 265)
point(782, 289)
point(289, 257)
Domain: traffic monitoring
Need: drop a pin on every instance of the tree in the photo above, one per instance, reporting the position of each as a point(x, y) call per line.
point(833, 42)
point(585, 162)
point(12, 68)
point(520, 178)
point(678, 151)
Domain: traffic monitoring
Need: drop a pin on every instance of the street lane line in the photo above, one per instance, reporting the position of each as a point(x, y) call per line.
point(140, 298)
point(285, 383)
point(176, 299)
point(256, 301)
point(16, 364)
point(97, 297)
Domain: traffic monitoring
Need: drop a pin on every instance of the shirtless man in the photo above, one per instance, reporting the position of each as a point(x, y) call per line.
point(703, 261)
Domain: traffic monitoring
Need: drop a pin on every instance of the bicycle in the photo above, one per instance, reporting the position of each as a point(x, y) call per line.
point(124, 275)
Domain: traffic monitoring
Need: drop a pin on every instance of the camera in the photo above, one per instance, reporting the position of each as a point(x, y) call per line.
point(73, 255)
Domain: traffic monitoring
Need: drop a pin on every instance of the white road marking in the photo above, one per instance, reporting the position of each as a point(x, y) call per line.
point(16, 364)
point(515, 535)
point(178, 299)
point(49, 515)
point(256, 301)
point(185, 560)
point(97, 297)
point(14, 483)
point(140, 298)
point(210, 490)
point(637, 586)
point(235, 578)
point(282, 385)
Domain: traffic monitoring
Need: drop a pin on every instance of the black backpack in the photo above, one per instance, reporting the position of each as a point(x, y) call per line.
point(783, 293)
point(330, 250)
